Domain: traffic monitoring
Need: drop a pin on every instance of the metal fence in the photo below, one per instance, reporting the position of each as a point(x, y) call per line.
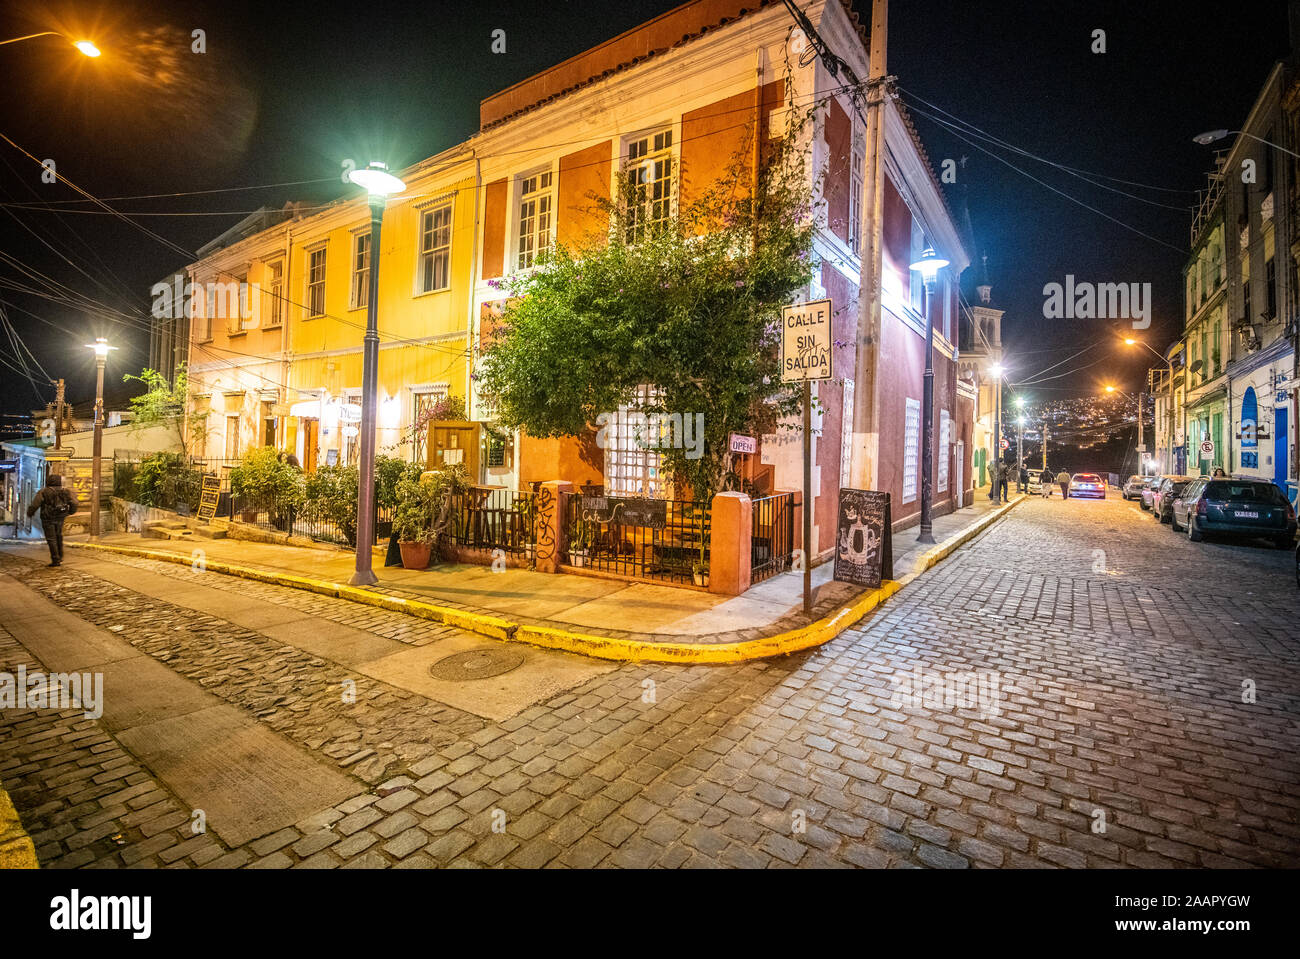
point(771, 544)
point(601, 540)
point(494, 519)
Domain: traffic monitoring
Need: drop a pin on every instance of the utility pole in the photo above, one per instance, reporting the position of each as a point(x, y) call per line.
point(58, 413)
point(1141, 446)
point(864, 463)
point(101, 348)
point(1044, 446)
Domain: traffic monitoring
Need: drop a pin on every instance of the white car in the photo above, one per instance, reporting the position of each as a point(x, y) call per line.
point(1087, 484)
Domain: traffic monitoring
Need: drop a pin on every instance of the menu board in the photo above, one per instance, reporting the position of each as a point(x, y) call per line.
point(637, 511)
point(864, 542)
point(208, 497)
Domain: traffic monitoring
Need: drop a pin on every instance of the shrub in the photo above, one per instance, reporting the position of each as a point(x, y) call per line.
point(389, 472)
point(262, 481)
point(331, 493)
point(164, 480)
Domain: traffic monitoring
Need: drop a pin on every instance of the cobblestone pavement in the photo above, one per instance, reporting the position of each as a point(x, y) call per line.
point(1147, 713)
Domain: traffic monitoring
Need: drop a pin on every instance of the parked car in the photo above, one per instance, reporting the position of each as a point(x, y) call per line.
point(1163, 493)
point(1132, 487)
point(1147, 491)
point(1237, 507)
point(1087, 484)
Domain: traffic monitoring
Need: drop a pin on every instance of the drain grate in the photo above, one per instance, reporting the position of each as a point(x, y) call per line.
point(476, 664)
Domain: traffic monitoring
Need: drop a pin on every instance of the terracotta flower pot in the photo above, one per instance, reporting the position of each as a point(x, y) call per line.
point(415, 555)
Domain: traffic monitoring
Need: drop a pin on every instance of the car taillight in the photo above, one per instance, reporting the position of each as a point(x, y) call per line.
point(1202, 508)
point(1290, 513)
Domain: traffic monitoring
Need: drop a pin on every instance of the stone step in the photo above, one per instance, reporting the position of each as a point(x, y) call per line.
point(211, 532)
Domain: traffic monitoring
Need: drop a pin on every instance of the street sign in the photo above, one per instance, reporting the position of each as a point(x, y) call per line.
point(1006, 444)
point(743, 444)
point(806, 342)
point(1207, 449)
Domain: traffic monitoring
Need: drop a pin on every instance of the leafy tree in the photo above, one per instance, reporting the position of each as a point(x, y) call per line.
point(170, 405)
point(331, 493)
point(690, 308)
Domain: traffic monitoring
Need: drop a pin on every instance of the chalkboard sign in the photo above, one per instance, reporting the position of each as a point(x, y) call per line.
point(864, 552)
point(209, 496)
point(637, 511)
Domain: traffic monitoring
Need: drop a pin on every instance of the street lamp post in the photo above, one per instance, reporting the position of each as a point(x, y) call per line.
point(1020, 440)
point(928, 266)
point(996, 370)
point(379, 184)
point(101, 348)
point(85, 46)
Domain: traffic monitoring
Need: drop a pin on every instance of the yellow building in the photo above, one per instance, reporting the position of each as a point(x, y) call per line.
point(278, 315)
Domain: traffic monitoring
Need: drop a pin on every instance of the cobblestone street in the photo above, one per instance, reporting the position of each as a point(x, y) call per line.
point(1147, 713)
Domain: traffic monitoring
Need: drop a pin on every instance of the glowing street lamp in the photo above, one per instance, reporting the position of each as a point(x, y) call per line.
point(101, 348)
point(1212, 136)
point(85, 46)
point(379, 185)
point(928, 266)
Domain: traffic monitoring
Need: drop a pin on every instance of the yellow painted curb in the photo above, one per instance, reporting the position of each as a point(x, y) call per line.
point(597, 647)
point(16, 848)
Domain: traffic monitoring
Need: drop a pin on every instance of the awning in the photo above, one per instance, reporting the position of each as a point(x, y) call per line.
point(309, 409)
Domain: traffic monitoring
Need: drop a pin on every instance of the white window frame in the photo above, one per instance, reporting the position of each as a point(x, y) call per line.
point(273, 293)
point(358, 297)
point(631, 468)
point(911, 448)
point(652, 147)
point(233, 451)
point(945, 437)
point(312, 284)
point(846, 434)
point(429, 249)
point(534, 216)
point(855, 198)
point(421, 398)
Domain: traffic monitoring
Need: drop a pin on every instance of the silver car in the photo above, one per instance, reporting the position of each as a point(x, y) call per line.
point(1132, 488)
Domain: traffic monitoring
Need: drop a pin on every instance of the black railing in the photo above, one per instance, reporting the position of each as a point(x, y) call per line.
point(494, 519)
point(598, 536)
point(771, 544)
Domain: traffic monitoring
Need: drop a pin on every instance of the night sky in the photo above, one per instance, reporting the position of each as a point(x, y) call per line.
point(287, 90)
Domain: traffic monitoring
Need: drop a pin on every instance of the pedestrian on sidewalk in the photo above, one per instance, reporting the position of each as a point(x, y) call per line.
point(1063, 481)
point(1022, 480)
point(1004, 479)
point(55, 504)
point(1046, 481)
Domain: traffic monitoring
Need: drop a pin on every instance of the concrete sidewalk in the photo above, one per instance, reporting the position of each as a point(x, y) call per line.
point(560, 604)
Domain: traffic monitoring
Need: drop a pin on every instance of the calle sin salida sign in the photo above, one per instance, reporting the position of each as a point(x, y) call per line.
point(806, 341)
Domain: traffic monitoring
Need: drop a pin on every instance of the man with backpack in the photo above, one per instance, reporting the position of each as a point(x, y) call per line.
point(56, 504)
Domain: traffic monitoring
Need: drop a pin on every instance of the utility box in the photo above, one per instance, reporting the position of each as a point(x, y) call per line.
point(454, 441)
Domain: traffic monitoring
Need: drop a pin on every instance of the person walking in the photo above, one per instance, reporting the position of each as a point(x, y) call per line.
point(55, 504)
point(1046, 481)
point(1022, 479)
point(1002, 479)
point(1063, 481)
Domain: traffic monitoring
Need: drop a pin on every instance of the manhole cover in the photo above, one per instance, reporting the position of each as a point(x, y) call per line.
point(476, 664)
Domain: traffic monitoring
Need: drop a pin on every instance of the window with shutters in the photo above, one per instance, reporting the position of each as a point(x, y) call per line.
point(911, 448)
point(945, 427)
point(535, 203)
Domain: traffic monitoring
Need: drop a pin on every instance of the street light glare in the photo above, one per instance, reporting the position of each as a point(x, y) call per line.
point(88, 48)
point(376, 180)
point(1110, 389)
point(929, 264)
point(100, 346)
point(1129, 340)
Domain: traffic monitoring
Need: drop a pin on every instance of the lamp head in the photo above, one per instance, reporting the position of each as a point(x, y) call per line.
point(929, 265)
point(376, 180)
point(1209, 136)
point(86, 47)
point(100, 346)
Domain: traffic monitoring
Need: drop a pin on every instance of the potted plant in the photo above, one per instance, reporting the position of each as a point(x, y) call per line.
point(413, 521)
point(581, 537)
point(700, 572)
point(261, 482)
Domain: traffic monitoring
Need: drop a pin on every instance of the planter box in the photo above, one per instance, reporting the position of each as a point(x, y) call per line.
point(415, 555)
point(577, 557)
